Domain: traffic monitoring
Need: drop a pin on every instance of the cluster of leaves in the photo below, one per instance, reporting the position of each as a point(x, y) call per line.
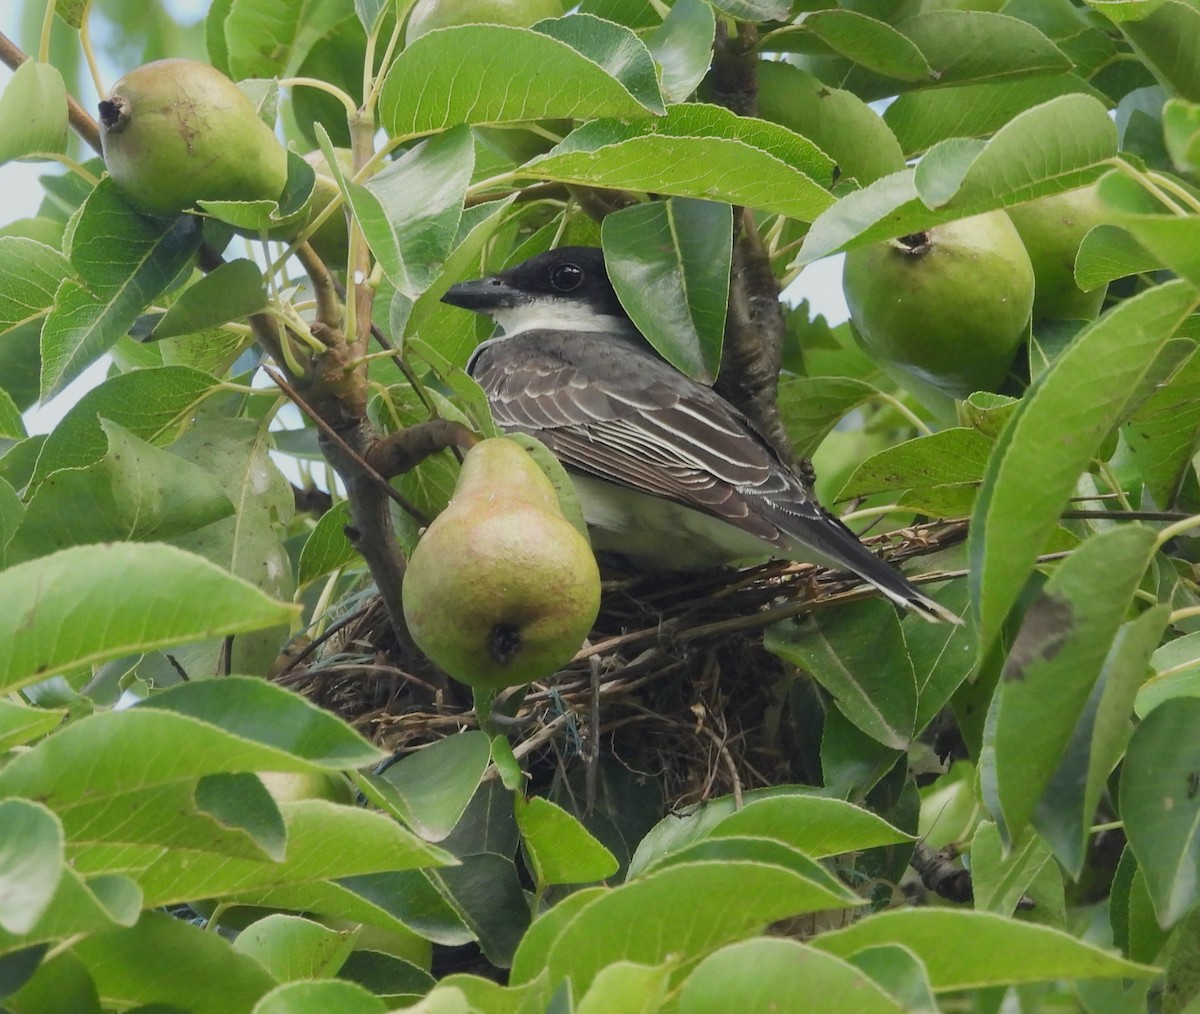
point(151, 535)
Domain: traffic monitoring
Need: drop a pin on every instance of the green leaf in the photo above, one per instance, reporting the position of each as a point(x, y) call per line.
point(700, 151)
point(1056, 146)
point(615, 48)
point(1107, 253)
point(81, 906)
point(440, 80)
point(20, 723)
point(1170, 239)
point(410, 211)
point(1160, 806)
point(292, 948)
point(872, 44)
point(901, 973)
point(1052, 668)
point(981, 46)
point(1181, 131)
point(953, 457)
point(810, 407)
point(124, 261)
point(88, 604)
point(973, 950)
point(1177, 674)
point(625, 985)
point(136, 492)
point(1050, 439)
point(321, 997)
point(1000, 876)
point(327, 548)
point(559, 848)
point(922, 117)
point(370, 11)
point(682, 47)
point(30, 273)
point(754, 10)
point(1058, 140)
point(236, 452)
point(233, 291)
point(857, 653)
point(33, 112)
point(152, 404)
point(490, 899)
point(686, 910)
point(1168, 41)
point(782, 976)
point(31, 863)
point(207, 975)
point(669, 262)
point(847, 129)
point(325, 840)
point(59, 982)
point(12, 427)
point(1065, 812)
point(429, 790)
point(270, 38)
point(1162, 434)
point(815, 825)
point(298, 726)
point(12, 512)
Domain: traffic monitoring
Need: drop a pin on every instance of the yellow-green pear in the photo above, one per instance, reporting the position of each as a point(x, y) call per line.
point(949, 305)
point(177, 131)
point(1052, 229)
point(501, 589)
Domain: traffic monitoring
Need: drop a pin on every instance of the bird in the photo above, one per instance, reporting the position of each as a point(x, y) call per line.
point(669, 474)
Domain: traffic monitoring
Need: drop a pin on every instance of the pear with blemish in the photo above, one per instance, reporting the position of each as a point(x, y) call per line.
point(176, 131)
point(501, 589)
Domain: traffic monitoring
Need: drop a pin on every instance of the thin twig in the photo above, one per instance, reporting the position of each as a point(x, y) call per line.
point(332, 435)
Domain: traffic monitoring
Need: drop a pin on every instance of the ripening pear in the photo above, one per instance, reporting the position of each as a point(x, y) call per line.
point(1052, 229)
point(501, 589)
point(949, 305)
point(177, 131)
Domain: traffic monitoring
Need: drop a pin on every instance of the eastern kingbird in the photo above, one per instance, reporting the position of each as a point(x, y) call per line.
point(669, 474)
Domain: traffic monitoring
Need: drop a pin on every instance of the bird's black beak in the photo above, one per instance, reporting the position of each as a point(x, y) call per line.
point(482, 295)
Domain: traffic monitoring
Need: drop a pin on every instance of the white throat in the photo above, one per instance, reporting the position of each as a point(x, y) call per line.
point(558, 315)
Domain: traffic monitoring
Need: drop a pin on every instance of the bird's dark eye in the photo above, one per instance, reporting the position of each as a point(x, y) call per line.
point(566, 277)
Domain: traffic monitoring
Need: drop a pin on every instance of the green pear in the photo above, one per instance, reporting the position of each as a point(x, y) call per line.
point(501, 589)
point(949, 306)
point(176, 131)
point(1052, 229)
point(430, 14)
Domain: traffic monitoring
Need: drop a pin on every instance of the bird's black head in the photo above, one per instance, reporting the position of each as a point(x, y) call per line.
point(563, 289)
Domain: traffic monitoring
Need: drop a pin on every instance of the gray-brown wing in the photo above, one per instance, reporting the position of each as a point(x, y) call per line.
point(612, 410)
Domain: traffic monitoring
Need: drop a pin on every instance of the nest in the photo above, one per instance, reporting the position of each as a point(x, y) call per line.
point(673, 685)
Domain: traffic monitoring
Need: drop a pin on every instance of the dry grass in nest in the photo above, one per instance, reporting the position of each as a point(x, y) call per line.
point(674, 683)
